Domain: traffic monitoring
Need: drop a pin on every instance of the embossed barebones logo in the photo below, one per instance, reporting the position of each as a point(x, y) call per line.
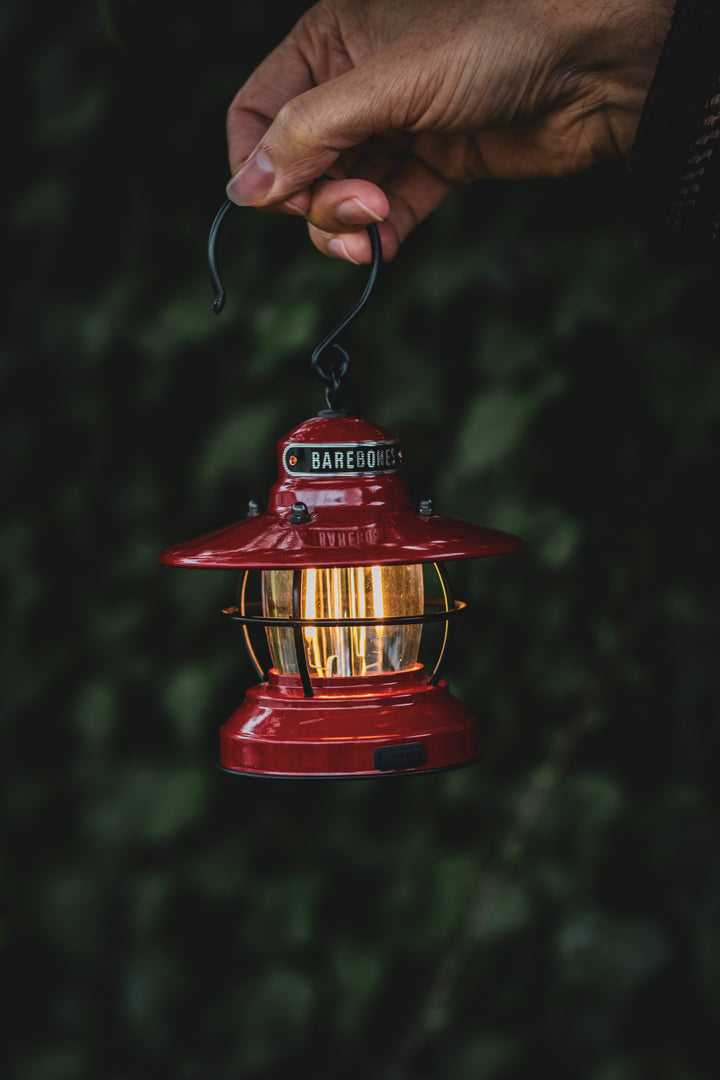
point(342, 459)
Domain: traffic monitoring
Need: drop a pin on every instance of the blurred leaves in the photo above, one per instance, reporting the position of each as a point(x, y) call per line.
point(550, 371)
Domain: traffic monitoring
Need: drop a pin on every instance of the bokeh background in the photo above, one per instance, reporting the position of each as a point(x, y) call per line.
point(553, 370)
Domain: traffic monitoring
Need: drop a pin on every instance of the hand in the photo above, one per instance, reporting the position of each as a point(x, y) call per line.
point(403, 100)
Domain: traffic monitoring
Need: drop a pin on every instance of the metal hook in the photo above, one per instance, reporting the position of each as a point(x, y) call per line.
point(333, 377)
point(219, 302)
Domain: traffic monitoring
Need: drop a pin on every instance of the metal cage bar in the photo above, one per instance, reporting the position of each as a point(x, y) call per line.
point(447, 593)
point(246, 634)
point(297, 634)
point(400, 620)
point(297, 624)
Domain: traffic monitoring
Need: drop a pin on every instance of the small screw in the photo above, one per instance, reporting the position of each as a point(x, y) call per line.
point(299, 515)
point(254, 508)
point(426, 508)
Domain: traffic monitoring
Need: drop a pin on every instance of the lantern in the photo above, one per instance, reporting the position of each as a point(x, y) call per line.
point(341, 550)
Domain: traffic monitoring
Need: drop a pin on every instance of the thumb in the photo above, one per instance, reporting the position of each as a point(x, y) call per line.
point(309, 132)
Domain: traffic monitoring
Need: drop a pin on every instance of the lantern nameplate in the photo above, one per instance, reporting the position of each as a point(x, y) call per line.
point(342, 459)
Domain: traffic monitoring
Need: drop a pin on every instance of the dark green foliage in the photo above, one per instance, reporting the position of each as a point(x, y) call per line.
point(552, 912)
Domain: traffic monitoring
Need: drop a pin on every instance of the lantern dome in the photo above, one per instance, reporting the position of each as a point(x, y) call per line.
point(339, 500)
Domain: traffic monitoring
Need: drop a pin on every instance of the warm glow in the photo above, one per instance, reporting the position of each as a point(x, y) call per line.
point(378, 607)
point(352, 592)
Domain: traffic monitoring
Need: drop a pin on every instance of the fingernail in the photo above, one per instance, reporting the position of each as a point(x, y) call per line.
point(355, 212)
point(252, 182)
point(298, 204)
point(337, 248)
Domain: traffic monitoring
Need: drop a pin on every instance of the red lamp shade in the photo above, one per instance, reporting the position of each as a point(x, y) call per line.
point(341, 549)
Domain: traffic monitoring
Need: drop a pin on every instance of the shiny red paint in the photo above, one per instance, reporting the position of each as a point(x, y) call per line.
point(357, 520)
point(349, 727)
point(277, 732)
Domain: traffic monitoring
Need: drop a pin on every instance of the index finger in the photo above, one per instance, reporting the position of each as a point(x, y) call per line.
point(282, 75)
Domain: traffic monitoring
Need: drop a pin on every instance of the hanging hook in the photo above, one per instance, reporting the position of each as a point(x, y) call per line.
point(219, 302)
point(333, 376)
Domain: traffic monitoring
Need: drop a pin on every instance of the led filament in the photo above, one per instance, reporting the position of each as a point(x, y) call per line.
point(348, 592)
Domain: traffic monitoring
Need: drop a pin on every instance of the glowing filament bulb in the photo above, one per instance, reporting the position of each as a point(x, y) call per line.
point(377, 591)
point(311, 632)
point(346, 592)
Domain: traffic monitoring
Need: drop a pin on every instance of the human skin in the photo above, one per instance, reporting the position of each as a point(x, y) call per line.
point(401, 101)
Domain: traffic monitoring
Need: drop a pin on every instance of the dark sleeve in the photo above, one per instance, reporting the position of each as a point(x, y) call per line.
point(675, 161)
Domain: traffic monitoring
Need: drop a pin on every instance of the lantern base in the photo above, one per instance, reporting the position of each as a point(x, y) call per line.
point(375, 725)
point(345, 776)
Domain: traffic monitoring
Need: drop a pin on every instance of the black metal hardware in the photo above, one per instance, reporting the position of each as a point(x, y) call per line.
point(297, 634)
point(331, 374)
point(402, 756)
point(299, 514)
point(296, 622)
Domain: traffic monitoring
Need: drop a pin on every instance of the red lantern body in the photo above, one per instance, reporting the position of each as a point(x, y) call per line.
point(352, 701)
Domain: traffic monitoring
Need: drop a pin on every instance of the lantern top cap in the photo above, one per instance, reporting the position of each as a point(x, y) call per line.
point(339, 500)
point(338, 427)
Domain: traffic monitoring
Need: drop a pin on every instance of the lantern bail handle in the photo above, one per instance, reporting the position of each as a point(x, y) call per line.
point(334, 374)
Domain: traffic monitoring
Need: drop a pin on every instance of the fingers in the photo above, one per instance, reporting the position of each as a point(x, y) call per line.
point(284, 133)
point(412, 191)
point(336, 205)
point(282, 76)
point(354, 247)
point(307, 135)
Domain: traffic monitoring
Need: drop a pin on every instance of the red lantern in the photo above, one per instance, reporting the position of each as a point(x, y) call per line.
point(341, 548)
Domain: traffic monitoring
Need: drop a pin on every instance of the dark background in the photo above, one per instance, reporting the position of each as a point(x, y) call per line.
point(551, 371)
